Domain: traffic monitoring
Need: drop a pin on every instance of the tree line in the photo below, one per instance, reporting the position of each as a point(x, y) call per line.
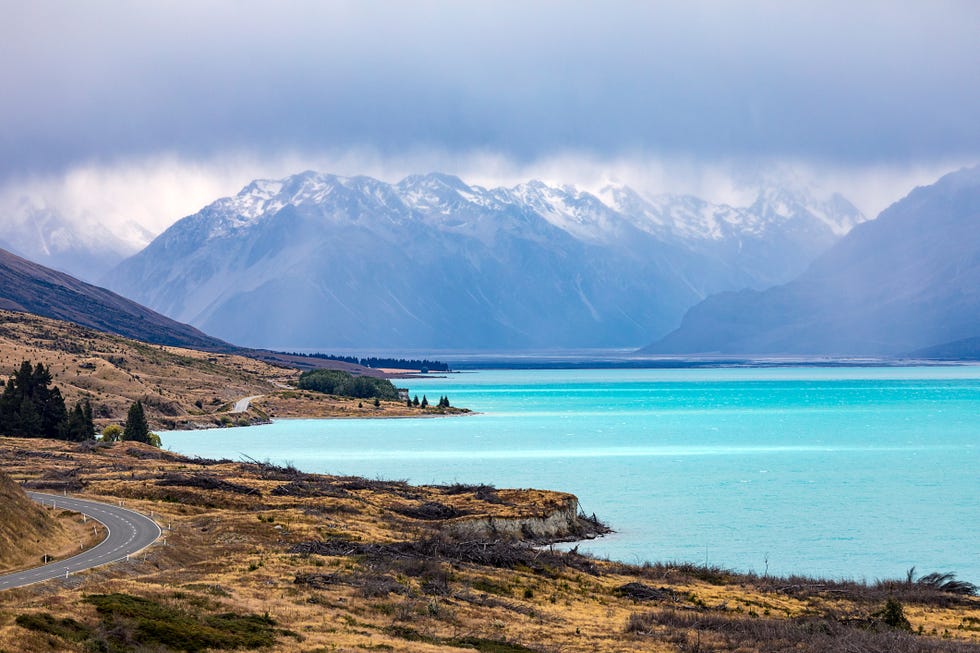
point(344, 384)
point(424, 364)
point(31, 408)
point(415, 403)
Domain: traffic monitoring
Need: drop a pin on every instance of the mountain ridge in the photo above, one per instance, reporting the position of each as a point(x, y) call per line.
point(431, 261)
point(29, 287)
point(904, 282)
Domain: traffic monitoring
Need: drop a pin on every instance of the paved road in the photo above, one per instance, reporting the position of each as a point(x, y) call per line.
point(242, 404)
point(129, 533)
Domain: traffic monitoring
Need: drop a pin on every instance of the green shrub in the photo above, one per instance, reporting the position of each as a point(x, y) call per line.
point(893, 615)
point(43, 622)
point(112, 433)
point(154, 625)
point(343, 384)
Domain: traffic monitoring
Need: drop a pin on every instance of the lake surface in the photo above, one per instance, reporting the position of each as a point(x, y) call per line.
point(842, 472)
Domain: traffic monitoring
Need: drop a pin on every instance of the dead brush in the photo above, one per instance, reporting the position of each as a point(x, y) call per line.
point(724, 632)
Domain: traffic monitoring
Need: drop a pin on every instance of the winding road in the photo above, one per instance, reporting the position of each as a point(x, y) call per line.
point(242, 404)
point(129, 533)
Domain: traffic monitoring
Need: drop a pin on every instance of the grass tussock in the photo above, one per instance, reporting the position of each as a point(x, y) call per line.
point(473, 643)
point(710, 631)
point(338, 560)
point(130, 623)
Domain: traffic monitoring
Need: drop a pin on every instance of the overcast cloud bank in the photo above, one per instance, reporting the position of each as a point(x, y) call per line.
point(146, 111)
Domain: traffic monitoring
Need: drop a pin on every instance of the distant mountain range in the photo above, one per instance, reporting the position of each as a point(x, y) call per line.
point(32, 288)
point(905, 283)
point(320, 261)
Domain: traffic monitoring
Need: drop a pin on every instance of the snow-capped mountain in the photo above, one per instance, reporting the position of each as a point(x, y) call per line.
point(84, 251)
point(317, 260)
point(904, 282)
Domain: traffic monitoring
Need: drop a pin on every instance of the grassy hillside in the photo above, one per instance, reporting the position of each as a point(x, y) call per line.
point(177, 386)
point(30, 533)
point(180, 388)
point(259, 555)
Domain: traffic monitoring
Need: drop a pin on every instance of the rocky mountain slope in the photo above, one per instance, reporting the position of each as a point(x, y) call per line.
point(316, 260)
point(908, 281)
point(29, 287)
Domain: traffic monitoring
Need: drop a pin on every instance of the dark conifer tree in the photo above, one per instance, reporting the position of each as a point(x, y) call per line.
point(29, 408)
point(80, 426)
point(28, 422)
point(425, 402)
point(90, 423)
point(136, 429)
point(75, 431)
point(54, 415)
point(8, 408)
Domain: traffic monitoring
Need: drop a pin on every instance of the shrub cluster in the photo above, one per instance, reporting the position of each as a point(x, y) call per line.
point(343, 384)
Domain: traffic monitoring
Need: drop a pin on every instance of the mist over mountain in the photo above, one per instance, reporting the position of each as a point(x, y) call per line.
point(46, 237)
point(906, 282)
point(315, 260)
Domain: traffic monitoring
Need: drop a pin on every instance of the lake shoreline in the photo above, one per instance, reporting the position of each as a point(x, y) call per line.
point(776, 450)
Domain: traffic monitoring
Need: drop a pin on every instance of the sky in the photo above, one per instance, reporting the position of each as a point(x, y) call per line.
point(143, 112)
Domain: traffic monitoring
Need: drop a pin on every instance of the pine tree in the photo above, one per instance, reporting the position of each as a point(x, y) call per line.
point(28, 422)
point(136, 428)
point(425, 402)
point(75, 431)
point(79, 426)
point(29, 408)
point(415, 402)
point(89, 422)
point(54, 415)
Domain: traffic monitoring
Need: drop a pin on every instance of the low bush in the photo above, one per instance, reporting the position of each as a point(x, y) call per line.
point(343, 384)
point(152, 624)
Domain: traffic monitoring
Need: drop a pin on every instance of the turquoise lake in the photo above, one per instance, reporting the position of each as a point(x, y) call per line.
point(842, 472)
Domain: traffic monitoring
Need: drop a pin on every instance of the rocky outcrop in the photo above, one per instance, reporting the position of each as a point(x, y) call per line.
point(565, 522)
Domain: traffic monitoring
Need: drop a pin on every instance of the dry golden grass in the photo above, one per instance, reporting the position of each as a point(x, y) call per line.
point(307, 404)
point(231, 527)
point(180, 388)
point(27, 531)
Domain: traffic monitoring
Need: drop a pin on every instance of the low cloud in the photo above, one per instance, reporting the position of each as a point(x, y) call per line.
point(139, 198)
point(852, 84)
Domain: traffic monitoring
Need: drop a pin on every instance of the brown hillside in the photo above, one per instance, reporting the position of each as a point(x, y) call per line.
point(179, 387)
point(29, 287)
point(26, 529)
